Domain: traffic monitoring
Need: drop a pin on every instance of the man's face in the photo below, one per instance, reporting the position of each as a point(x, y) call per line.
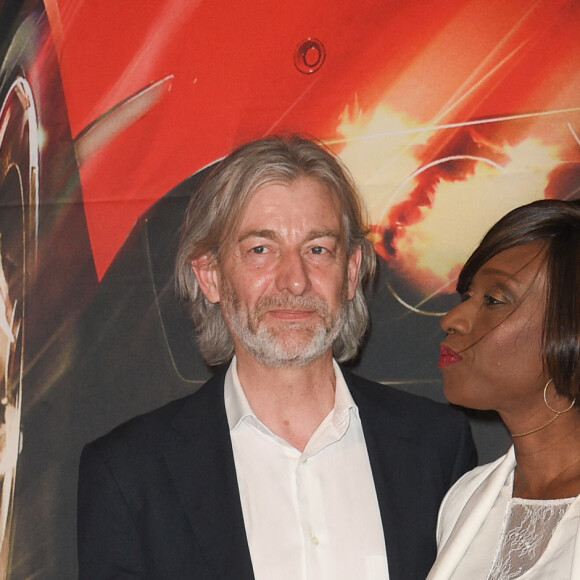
point(285, 281)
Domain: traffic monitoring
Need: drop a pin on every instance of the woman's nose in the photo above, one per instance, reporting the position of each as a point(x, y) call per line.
point(457, 319)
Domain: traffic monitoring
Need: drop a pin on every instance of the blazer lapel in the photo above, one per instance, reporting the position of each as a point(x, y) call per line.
point(200, 459)
point(576, 557)
point(393, 452)
point(471, 518)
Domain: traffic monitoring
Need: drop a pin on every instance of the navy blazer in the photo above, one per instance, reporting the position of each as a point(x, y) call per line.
point(158, 496)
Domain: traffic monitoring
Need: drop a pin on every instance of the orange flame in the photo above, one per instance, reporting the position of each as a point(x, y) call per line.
point(424, 228)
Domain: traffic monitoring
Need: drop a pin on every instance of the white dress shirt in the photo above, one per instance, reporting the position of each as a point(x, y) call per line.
point(309, 515)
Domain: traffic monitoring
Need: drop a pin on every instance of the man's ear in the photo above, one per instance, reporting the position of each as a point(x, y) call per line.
point(206, 272)
point(353, 268)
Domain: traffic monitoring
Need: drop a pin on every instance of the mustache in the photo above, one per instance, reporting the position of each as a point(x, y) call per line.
point(311, 303)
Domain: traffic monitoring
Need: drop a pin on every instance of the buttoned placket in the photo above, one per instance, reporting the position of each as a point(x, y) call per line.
point(310, 494)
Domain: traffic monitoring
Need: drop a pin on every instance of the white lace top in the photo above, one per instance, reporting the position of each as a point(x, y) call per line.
point(514, 536)
point(528, 527)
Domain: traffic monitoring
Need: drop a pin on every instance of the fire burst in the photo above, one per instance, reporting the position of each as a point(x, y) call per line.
point(433, 192)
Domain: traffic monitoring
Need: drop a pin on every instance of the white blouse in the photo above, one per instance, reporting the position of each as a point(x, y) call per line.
point(527, 530)
point(511, 538)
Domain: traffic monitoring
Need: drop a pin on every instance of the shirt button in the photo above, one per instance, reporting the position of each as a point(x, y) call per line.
point(315, 540)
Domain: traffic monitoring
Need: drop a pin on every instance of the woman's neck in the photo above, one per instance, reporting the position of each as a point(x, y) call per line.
point(548, 461)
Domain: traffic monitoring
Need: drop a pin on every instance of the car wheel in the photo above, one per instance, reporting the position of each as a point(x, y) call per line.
point(18, 232)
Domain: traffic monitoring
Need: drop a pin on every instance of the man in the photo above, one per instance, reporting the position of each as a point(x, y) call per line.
point(283, 466)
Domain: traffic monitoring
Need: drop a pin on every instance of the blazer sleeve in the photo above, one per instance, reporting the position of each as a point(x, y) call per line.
point(108, 543)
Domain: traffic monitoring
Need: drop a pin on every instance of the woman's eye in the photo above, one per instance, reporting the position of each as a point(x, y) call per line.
point(491, 300)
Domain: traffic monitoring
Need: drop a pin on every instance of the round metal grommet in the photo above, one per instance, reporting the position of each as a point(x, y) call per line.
point(309, 56)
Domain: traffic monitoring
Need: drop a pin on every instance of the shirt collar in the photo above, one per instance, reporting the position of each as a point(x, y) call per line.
point(238, 407)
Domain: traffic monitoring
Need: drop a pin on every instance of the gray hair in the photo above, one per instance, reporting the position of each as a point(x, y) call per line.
point(216, 209)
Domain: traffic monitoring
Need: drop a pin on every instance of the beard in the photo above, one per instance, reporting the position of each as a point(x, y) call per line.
point(291, 343)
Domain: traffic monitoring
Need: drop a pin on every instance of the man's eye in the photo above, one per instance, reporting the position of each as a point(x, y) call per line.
point(318, 250)
point(259, 250)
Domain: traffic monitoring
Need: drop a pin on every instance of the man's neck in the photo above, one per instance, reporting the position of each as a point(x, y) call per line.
point(290, 401)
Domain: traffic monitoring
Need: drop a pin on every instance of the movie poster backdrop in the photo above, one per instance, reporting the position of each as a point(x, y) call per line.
point(448, 115)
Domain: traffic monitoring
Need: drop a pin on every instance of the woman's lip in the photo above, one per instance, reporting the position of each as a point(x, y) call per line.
point(447, 356)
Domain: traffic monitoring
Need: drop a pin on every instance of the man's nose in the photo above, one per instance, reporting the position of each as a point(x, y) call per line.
point(292, 275)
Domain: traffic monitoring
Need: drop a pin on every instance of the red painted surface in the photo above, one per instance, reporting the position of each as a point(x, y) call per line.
point(234, 78)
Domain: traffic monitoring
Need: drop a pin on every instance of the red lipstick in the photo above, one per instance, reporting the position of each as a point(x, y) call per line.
point(447, 357)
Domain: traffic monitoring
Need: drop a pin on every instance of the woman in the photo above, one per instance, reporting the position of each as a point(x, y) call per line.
point(513, 345)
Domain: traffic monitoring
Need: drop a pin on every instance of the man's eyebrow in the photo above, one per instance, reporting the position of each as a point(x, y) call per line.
point(268, 234)
point(272, 235)
point(315, 235)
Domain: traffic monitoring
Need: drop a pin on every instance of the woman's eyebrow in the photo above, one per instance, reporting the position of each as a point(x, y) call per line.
point(509, 276)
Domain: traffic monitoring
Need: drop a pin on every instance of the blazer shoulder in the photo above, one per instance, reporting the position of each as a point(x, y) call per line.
point(438, 428)
point(399, 401)
point(146, 431)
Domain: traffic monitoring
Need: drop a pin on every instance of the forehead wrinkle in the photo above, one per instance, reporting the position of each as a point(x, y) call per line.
point(272, 235)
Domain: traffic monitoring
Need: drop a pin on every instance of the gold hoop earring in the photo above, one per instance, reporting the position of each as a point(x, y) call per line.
point(548, 405)
point(556, 414)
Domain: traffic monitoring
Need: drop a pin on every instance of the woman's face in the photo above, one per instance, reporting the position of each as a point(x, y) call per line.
point(491, 357)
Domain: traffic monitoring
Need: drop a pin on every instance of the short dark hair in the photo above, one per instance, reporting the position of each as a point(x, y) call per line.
point(216, 208)
point(557, 224)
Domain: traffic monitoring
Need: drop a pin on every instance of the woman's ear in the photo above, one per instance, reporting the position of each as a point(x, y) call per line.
point(207, 274)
